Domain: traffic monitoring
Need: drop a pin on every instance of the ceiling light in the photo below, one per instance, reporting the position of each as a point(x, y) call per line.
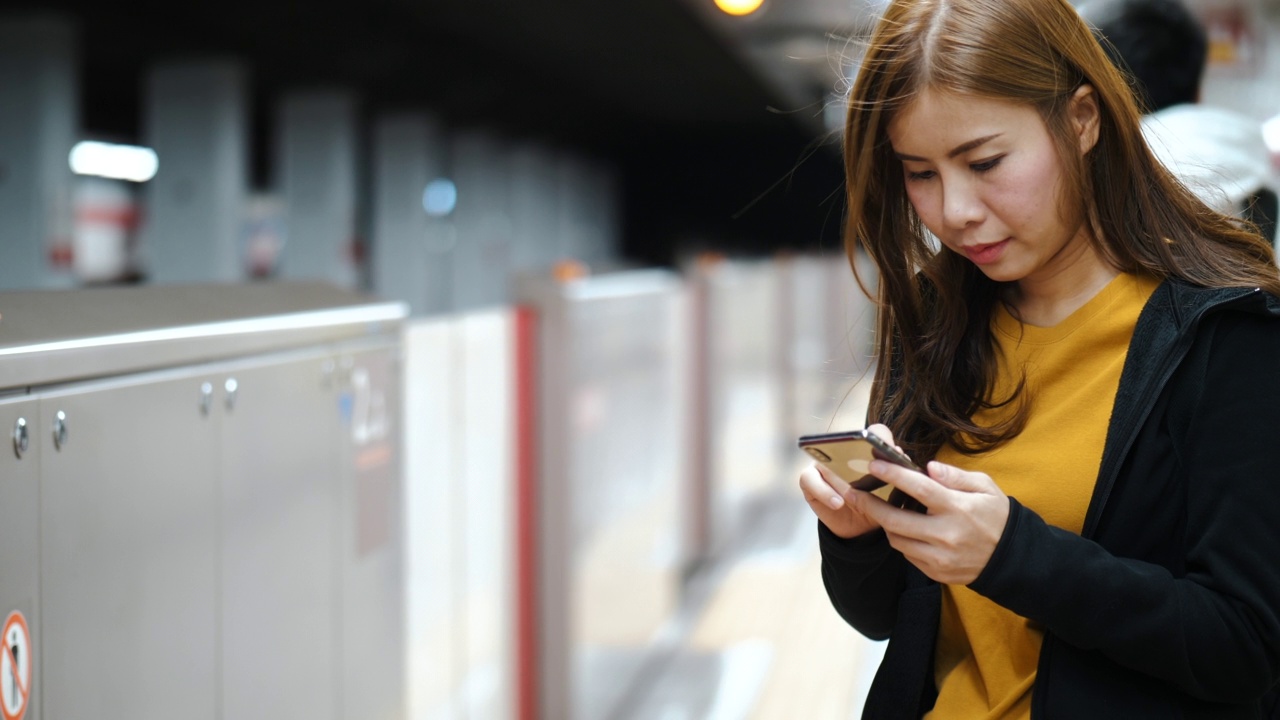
point(440, 197)
point(118, 162)
point(739, 7)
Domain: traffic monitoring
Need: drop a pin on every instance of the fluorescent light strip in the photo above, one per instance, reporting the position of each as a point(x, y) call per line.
point(118, 162)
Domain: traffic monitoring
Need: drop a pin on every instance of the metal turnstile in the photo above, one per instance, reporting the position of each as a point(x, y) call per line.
point(200, 514)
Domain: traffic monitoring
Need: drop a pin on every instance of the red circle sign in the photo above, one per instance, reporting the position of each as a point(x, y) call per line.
point(15, 667)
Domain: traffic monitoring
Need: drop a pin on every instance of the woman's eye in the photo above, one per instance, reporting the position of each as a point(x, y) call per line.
point(922, 175)
point(986, 165)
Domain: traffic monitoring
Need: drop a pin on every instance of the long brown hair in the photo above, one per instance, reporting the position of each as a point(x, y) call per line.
point(935, 306)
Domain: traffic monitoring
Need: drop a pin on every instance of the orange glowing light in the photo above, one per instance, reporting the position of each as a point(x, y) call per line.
point(568, 270)
point(739, 7)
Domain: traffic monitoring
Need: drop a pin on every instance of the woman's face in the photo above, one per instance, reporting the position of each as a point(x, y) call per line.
point(985, 177)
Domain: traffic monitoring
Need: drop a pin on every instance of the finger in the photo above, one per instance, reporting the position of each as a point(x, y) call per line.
point(817, 488)
point(926, 558)
point(906, 523)
point(915, 550)
point(837, 483)
point(919, 486)
point(881, 431)
point(822, 510)
point(953, 477)
point(824, 497)
point(897, 498)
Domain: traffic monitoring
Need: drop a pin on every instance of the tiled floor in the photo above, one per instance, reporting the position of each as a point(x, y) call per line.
point(760, 640)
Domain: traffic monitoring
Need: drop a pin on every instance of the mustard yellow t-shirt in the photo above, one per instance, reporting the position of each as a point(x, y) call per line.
point(986, 655)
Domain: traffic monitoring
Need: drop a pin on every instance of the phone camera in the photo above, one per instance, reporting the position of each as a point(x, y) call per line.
point(819, 454)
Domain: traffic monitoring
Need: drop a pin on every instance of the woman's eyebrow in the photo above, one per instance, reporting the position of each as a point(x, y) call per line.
point(957, 150)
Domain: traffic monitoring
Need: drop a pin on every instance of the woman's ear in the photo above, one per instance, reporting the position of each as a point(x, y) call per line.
point(1085, 116)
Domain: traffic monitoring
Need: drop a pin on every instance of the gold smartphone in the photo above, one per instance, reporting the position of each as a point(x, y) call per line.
point(848, 455)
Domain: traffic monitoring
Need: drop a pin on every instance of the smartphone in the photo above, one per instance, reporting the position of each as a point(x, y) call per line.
point(848, 455)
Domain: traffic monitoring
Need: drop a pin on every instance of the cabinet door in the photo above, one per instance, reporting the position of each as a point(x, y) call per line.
point(128, 532)
point(19, 539)
point(279, 505)
point(371, 528)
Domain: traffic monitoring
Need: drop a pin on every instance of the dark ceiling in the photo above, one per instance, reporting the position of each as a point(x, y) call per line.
point(697, 136)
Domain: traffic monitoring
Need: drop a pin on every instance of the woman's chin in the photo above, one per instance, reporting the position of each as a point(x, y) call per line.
point(1001, 272)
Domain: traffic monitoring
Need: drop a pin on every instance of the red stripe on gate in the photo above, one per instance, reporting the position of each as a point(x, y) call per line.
point(126, 217)
point(526, 551)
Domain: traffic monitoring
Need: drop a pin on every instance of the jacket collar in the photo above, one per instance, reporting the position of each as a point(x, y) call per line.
point(1191, 303)
point(1164, 333)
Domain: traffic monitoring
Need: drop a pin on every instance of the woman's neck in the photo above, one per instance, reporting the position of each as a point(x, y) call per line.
point(1074, 277)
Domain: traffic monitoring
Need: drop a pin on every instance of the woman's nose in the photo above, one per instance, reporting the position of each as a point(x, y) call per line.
point(961, 205)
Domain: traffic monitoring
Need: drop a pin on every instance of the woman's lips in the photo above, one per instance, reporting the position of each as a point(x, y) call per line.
point(986, 254)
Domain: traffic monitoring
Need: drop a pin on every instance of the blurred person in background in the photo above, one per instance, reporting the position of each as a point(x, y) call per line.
point(1085, 369)
point(1218, 153)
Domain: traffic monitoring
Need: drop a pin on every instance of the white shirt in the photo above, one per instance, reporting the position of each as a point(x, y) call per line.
point(1219, 154)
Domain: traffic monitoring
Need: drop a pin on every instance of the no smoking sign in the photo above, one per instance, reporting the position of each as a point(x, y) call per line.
point(15, 667)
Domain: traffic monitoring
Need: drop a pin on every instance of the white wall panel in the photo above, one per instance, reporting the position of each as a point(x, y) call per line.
point(460, 522)
point(828, 328)
point(433, 605)
point(745, 434)
point(612, 426)
point(485, 373)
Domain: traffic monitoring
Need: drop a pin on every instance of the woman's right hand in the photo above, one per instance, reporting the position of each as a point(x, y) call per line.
point(826, 495)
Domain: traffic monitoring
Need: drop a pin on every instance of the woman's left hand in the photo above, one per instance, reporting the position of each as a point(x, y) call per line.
point(953, 542)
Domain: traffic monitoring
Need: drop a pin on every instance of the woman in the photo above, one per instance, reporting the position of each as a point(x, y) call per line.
point(1085, 354)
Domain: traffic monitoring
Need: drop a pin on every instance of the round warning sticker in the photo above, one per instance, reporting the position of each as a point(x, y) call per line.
point(15, 667)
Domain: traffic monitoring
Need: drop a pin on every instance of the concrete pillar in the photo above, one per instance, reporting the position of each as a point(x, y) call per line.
point(601, 214)
point(481, 259)
point(317, 145)
point(409, 248)
point(39, 123)
point(535, 215)
point(574, 233)
point(195, 116)
point(587, 209)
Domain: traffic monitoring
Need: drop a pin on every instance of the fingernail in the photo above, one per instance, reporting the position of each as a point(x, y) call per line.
point(876, 467)
point(835, 502)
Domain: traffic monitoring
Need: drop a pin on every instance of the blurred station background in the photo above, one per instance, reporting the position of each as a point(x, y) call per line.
point(434, 359)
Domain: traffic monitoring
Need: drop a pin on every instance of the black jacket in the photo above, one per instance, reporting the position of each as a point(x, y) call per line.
point(1168, 603)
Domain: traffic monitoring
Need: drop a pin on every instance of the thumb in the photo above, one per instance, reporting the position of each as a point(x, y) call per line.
point(956, 479)
point(881, 431)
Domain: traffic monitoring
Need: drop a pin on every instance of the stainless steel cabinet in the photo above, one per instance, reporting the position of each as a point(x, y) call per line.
point(211, 529)
point(20, 519)
point(372, 536)
point(129, 538)
point(280, 508)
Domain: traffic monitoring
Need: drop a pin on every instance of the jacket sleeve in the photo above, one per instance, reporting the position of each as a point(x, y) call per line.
point(1213, 630)
point(864, 578)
